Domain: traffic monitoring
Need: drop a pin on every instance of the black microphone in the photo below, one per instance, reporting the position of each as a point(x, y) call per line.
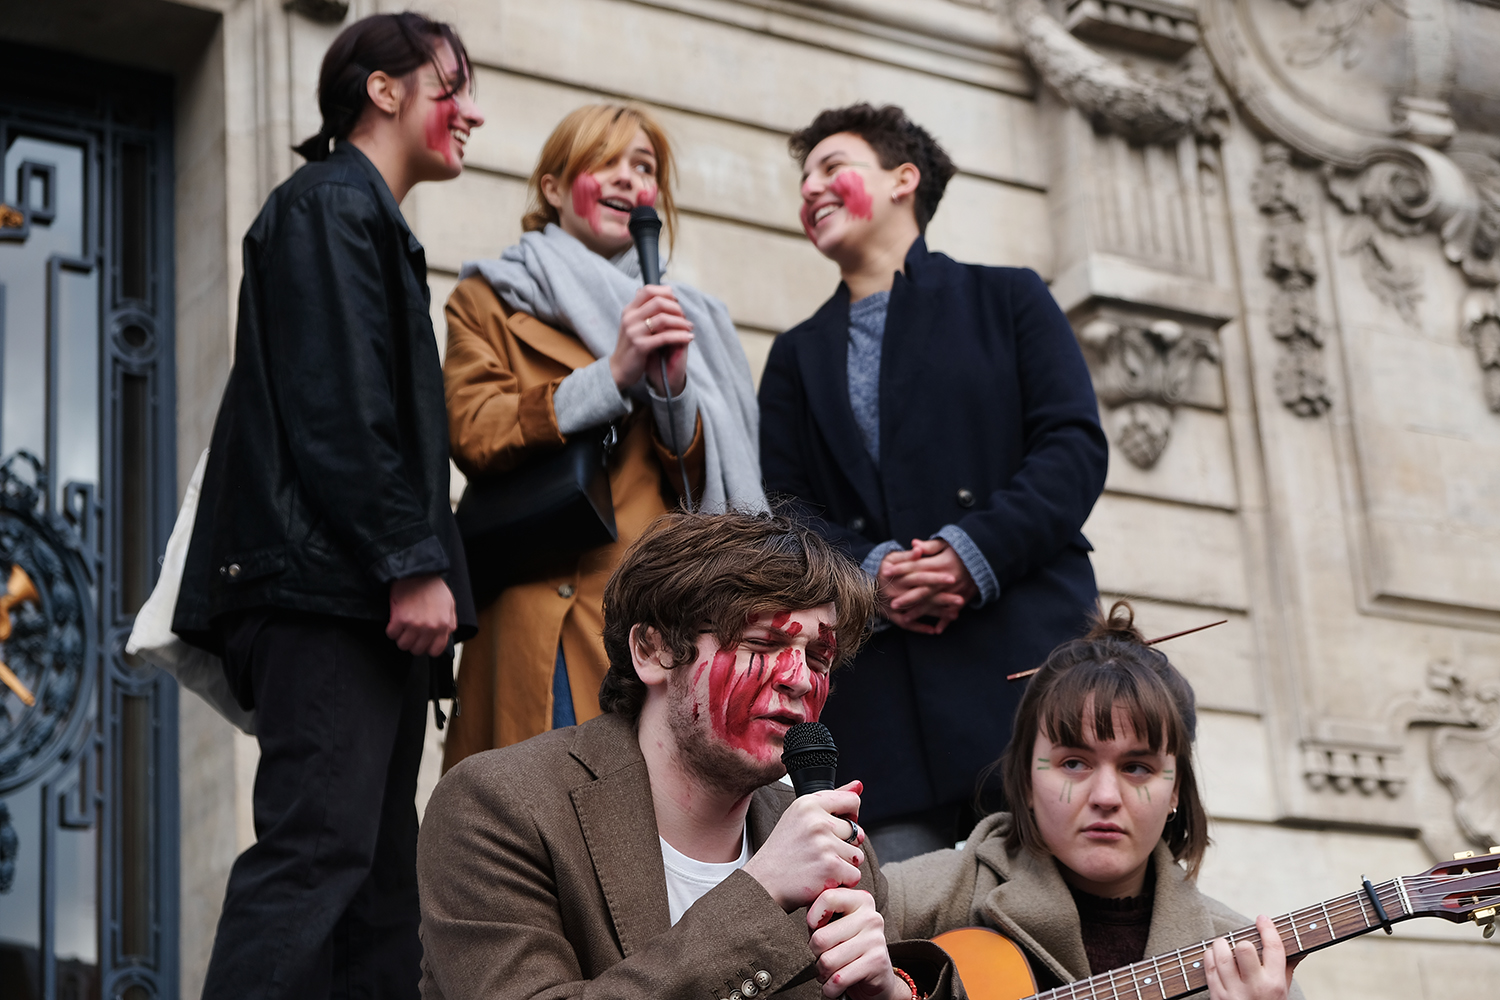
point(811, 758)
point(645, 228)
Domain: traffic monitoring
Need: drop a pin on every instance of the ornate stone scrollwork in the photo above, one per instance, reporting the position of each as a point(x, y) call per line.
point(1465, 748)
point(1396, 284)
point(1288, 261)
point(1142, 371)
point(1115, 97)
point(1481, 329)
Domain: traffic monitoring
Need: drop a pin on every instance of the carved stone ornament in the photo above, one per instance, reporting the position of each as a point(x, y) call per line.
point(1482, 330)
point(1287, 260)
point(1466, 748)
point(1142, 371)
point(1137, 105)
point(1391, 148)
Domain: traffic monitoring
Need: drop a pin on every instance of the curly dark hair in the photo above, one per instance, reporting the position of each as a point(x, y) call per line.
point(1113, 666)
point(895, 138)
point(691, 573)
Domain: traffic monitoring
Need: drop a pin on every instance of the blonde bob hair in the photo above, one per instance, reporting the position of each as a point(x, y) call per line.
point(586, 139)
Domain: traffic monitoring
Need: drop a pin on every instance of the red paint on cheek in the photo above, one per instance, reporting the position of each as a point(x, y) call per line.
point(731, 696)
point(586, 199)
point(850, 187)
point(443, 116)
point(647, 197)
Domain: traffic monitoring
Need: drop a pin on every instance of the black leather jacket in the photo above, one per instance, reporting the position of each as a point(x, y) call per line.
point(328, 470)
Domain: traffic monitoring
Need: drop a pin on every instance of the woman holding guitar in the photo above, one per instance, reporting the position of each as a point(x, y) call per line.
point(1096, 868)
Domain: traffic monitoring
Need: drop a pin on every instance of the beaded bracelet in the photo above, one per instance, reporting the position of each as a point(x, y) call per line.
point(910, 983)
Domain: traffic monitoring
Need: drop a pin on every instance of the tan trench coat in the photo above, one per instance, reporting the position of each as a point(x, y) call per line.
point(499, 373)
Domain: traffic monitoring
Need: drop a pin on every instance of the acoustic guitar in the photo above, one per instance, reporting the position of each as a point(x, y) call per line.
point(993, 967)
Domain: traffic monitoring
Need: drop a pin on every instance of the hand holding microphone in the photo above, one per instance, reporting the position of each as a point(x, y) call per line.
point(653, 321)
point(810, 850)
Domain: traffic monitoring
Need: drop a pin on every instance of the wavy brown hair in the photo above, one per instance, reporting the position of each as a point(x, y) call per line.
point(695, 573)
point(1113, 668)
point(589, 137)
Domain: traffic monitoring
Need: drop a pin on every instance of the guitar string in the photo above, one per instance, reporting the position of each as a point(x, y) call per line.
point(1344, 908)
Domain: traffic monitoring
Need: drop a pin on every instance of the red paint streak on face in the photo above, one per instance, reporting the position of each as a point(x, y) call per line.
point(850, 186)
point(829, 637)
point(738, 698)
point(586, 193)
point(647, 196)
point(780, 618)
point(443, 116)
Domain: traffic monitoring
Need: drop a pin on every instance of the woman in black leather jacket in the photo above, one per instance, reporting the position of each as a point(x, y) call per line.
point(324, 563)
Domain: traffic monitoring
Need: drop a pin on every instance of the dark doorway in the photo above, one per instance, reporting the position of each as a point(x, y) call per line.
point(88, 737)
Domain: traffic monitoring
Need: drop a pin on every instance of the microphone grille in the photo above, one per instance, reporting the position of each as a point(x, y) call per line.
point(809, 744)
point(644, 216)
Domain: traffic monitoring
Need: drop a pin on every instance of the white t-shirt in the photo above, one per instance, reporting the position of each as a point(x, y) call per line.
point(688, 880)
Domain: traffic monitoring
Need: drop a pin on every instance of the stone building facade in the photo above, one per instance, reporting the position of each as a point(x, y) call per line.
point(1275, 226)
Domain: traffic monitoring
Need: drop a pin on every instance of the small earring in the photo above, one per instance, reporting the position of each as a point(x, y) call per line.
point(1172, 815)
point(893, 196)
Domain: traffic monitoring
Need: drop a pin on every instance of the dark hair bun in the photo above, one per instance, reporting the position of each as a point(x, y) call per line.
point(1119, 625)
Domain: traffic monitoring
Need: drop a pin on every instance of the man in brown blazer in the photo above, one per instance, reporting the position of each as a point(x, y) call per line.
point(648, 853)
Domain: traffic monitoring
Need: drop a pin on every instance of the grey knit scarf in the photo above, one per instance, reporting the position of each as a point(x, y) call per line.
point(554, 277)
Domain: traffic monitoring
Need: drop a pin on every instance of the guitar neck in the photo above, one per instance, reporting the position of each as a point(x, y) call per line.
point(1181, 972)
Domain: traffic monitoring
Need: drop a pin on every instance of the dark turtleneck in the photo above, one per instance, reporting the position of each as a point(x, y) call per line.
point(1115, 930)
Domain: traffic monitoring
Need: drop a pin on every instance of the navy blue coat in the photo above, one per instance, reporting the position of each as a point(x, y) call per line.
point(988, 420)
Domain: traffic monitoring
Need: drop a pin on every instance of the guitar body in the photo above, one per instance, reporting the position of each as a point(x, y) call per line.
point(990, 964)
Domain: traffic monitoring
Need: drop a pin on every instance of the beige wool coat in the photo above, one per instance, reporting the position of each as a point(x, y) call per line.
point(541, 875)
point(1025, 898)
point(499, 373)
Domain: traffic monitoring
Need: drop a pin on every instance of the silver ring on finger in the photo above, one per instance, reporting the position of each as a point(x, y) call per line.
point(853, 837)
point(648, 325)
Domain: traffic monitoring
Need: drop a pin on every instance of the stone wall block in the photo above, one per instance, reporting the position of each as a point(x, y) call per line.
point(1190, 555)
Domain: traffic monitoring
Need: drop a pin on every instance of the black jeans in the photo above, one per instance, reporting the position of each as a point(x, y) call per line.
point(324, 904)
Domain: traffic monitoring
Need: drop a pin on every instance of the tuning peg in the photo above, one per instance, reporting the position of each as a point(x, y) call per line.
point(1486, 918)
point(1462, 855)
point(1495, 848)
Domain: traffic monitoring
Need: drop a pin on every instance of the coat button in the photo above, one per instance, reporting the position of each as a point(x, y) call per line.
point(566, 590)
point(735, 995)
point(965, 498)
point(233, 570)
point(763, 979)
point(749, 988)
point(856, 524)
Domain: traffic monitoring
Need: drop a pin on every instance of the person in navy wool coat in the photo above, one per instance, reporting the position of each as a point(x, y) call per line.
point(937, 420)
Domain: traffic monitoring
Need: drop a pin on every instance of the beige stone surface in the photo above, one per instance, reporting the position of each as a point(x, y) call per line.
point(1191, 555)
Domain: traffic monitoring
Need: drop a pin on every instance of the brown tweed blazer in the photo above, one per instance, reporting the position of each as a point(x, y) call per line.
point(1025, 898)
point(541, 876)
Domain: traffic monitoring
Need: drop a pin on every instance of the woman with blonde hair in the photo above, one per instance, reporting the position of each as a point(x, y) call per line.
point(558, 338)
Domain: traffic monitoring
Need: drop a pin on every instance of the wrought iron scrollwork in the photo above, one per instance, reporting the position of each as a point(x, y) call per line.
point(46, 627)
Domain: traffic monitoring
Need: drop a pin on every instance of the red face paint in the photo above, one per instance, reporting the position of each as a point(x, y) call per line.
point(739, 699)
point(780, 619)
point(586, 199)
point(647, 197)
point(443, 117)
point(850, 187)
point(829, 636)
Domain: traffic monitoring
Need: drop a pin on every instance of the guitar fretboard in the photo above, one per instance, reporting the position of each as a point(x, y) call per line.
point(1181, 972)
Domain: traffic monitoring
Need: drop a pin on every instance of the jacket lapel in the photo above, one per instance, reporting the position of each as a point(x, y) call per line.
point(619, 826)
point(564, 348)
point(1033, 895)
point(1177, 910)
point(910, 362)
point(823, 356)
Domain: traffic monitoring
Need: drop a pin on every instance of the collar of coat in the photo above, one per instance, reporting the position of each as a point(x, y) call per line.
point(619, 826)
point(1032, 904)
point(345, 152)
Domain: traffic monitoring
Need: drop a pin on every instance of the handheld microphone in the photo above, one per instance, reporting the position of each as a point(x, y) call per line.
point(811, 758)
point(645, 229)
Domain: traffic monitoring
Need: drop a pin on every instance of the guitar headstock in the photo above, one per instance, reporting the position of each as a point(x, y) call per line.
point(1466, 888)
